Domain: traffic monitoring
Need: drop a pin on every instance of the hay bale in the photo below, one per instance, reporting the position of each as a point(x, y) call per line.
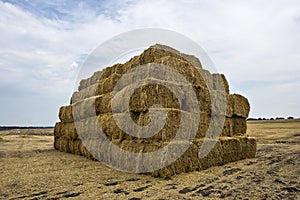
point(241, 106)
point(103, 86)
point(65, 114)
point(190, 58)
point(227, 149)
point(84, 152)
point(65, 130)
point(62, 144)
point(239, 125)
point(57, 130)
point(56, 143)
point(74, 146)
point(220, 83)
point(85, 93)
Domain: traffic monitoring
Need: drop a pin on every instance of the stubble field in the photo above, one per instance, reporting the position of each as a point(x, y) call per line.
point(31, 169)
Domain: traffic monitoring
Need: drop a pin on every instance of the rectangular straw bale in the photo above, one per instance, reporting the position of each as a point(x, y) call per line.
point(219, 103)
point(213, 158)
point(56, 143)
point(110, 128)
point(74, 146)
point(84, 93)
point(96, 77)
point(238, 148)
point(62, 144)
point(220, 83)
point(84, 152)
point(239, 125)
point(92, 106)
point(189, 161)
point(249, 147)
point(153, 94)
point(204, 100)
point(65, 114)
point(57, 131)
point(241, 106)
point(83, 84)
point(186, 69)
point(207, 120)
point(190, 58)
point(108, 84)
point(231, 149)
point(127, 66)
point(99, 87)
point(227, 149)
point(227, 126)
point(207, 77)
point(66, 130)
point(203, 125)
point(84, 109)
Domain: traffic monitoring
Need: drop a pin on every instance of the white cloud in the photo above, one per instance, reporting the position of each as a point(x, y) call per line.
point(249, 41)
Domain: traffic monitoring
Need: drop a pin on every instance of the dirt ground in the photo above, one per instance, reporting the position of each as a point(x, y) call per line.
point(31, 169)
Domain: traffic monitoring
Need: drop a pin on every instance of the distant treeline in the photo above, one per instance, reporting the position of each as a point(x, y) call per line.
point(23, 127)
point(276, 118)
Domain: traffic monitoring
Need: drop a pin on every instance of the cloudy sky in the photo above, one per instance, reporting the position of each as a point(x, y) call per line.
point(43, 44)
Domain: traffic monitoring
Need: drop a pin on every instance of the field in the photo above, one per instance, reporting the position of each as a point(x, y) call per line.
point(31, 169)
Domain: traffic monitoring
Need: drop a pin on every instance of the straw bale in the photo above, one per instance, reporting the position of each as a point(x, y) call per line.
point(227, 129)
point(231, 126)
point(92, 106)
point(96, 77)
point(151, 54)
point(148, 95)
point(227, 149)
point(238, 148)
point(62, 144)
point(124, 68)
point(220, 83)
point(84, 93)
point(249, 146)
point(57, 130)
point(84, 152)
point(65, 130)
point(219, 103)
point(241, 106)
point(195, 76)
point(204, 100)
point(114, 132)
point(103, 86)
point(65, 114)
point(83, 84)
point(74, 146)
point(190, 58)
point(239, 125)
point(56, 143)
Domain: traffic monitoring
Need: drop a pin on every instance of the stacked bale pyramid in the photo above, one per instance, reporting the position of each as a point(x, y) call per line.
point(232, 145)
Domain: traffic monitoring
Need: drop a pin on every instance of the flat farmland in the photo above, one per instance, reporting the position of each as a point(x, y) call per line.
point(30, 168)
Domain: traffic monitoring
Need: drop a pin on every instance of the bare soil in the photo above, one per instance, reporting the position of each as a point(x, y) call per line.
point(31, 169)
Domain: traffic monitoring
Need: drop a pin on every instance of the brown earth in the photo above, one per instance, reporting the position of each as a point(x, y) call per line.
point(30, 168)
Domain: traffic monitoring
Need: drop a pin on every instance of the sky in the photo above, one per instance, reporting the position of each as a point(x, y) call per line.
point(44, 43)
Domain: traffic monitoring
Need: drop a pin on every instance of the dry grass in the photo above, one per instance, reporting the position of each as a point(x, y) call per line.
point(267, 130)
point(36, 171)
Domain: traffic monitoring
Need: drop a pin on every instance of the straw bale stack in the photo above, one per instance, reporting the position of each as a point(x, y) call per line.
point(93, 100)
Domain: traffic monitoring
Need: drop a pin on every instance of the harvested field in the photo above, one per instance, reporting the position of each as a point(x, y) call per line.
point(30, 168)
